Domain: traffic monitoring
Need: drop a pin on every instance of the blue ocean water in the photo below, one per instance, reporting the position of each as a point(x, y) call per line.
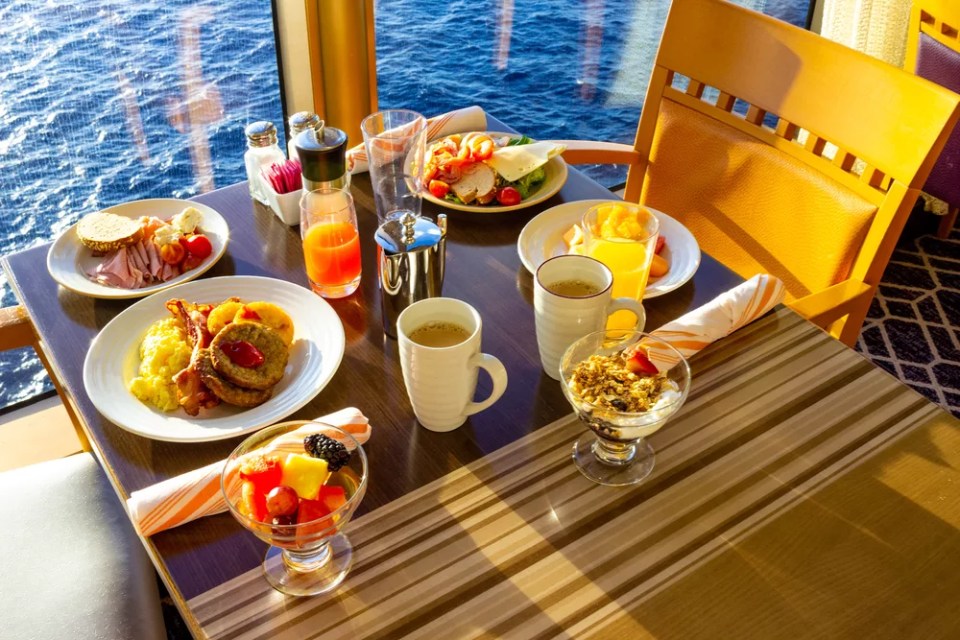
point(107, 101)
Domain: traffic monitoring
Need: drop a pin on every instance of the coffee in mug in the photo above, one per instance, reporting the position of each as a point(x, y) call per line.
point(439, 340)
point(439, 334)
point(573, 288)
point(572, 296)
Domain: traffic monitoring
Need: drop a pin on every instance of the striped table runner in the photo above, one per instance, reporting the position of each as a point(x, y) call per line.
point(520, 545)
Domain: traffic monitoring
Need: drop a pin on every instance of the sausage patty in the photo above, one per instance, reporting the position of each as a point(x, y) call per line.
point(266, 340)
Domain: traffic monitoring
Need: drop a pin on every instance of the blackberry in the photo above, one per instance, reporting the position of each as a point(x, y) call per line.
point(321, 446)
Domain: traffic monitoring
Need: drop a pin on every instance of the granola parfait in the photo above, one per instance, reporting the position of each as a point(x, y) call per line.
point(622, 397)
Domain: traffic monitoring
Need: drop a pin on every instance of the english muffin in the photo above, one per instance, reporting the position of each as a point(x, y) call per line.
point(234, 359)
point(223, 389)
point(103, 232)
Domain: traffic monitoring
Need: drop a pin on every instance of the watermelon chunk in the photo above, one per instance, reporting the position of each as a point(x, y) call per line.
point(262, 470)
point(333, 497)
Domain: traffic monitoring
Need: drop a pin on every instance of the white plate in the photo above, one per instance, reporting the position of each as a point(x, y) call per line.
point(113, 360)
point(542, 238)
point(556, 170)
point(68, 261)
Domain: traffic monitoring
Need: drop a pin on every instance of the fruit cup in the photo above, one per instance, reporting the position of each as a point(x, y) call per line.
point(298, 500)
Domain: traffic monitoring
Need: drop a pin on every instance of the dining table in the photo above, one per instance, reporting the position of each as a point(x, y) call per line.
point(800, 491)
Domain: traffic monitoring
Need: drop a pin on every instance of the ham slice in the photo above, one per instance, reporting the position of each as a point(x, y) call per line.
point(134, 266)
point(115, 270)
point(153, 254)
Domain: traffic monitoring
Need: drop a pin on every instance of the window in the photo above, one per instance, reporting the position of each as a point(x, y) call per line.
point(105, 102)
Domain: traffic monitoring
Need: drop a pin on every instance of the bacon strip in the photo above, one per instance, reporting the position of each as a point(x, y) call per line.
point(192, 393)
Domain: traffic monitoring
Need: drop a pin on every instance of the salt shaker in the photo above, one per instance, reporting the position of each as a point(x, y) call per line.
point(262, 151)
point(300, 122)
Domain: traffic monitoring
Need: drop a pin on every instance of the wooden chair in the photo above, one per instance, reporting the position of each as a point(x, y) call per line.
point(933, 52)
point(72, 565)
point(783, 153)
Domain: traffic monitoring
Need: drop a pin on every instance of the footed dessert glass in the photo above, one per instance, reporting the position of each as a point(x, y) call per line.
point(313, 556)
point(619, 454)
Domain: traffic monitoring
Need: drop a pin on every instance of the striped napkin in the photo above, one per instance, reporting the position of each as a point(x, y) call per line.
point(197, 493)
point(718, 318)
point(458, 121)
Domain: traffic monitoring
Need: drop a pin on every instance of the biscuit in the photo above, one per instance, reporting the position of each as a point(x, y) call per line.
point(266, 341)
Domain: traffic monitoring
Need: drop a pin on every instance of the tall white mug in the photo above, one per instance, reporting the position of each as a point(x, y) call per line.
point(439, 340)
point(572, 296)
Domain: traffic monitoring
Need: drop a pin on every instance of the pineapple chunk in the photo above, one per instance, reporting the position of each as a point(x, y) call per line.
point(305, 474)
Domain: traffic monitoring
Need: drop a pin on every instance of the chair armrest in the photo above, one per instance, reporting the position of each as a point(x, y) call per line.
point(16, 330)
point(594, 152)
point(824, 307)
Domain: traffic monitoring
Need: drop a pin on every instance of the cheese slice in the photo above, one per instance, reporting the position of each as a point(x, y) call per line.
point(517, 161)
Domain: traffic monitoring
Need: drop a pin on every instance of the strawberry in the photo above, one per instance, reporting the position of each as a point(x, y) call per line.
point(640, 364)
point(661, 241)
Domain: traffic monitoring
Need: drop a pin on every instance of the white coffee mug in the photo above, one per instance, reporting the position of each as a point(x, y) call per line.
point(441, 380)
point(566, 314)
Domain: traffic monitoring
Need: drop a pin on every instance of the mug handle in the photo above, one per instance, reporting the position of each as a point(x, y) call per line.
point(629, 304)
point(499, 375)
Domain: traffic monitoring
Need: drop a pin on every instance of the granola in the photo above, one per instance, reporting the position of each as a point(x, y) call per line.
point(606, 382)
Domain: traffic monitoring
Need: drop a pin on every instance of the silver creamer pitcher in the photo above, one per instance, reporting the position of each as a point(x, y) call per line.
point(411, 251)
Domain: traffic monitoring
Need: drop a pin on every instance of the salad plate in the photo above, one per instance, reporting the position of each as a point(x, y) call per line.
point(556, 175)
point(542, 238)
point(69, 261)
point(114, 359)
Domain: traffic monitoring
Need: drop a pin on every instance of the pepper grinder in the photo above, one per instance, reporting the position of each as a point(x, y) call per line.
point(411, 252)
point(323, 158)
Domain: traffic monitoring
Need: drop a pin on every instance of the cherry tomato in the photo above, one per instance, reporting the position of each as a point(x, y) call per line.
point(199, 245)
point(172, 253)
point(439, 189)
point(508, 196)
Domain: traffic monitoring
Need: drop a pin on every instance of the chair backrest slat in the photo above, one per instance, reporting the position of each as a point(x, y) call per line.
point(840, 95)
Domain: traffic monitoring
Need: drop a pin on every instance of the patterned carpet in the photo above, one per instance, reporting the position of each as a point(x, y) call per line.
point(913, 328)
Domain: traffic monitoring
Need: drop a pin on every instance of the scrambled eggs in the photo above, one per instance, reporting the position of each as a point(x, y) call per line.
point(163, 353)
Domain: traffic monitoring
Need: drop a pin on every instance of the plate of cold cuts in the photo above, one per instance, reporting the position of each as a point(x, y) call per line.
point(140, 263)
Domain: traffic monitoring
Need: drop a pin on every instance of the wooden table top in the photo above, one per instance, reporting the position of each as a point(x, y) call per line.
point(801, 492)
point(483, 268)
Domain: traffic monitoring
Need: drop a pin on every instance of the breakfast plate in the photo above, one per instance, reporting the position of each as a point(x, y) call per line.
point(542, 238)
point(113, 361)
point(69, 261)
point(556, 176)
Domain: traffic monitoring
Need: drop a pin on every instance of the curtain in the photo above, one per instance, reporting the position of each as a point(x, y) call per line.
point(876, 27)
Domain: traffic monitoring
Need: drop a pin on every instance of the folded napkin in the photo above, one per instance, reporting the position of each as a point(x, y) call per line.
point(720, 317)
point(459, 121)
point(197, 493)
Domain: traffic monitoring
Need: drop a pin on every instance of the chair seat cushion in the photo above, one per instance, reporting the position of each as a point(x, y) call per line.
point(71, 565)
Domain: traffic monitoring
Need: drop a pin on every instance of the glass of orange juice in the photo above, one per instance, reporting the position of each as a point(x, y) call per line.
point(623, 236)
point(331, 242)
